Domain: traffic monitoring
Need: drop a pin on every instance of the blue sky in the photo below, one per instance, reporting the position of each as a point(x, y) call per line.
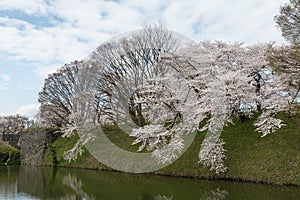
point(39, 36)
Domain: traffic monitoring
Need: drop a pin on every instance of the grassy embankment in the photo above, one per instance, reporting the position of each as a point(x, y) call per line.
point(6, 151)
point(273, 159)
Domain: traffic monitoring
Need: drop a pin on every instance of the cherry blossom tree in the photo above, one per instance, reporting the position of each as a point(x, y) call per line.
point(285, 61)
point(14, 123)
point(162, 93)
point(222, 81)
point(84, 112)
point(224, 77)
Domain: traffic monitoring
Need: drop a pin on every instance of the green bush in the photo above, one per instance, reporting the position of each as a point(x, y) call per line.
point(52, 153)
point(6, 152)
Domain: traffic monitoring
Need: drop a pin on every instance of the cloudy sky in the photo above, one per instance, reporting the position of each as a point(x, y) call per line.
point(38, 36)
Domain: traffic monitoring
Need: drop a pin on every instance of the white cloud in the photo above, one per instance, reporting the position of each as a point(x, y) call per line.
point(246, 21)
point(85, 24)
point(5, 77)
point(27, 6)
point(24, 42)
point(29, 110)
point(81, 25)
point(70, 29)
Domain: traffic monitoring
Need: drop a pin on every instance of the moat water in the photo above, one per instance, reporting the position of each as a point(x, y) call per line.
point(31, 182)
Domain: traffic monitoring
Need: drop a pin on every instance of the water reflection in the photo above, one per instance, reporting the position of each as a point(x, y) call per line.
point(30, 182)
point(217, 194)
point(76, 185)
point(162, 197)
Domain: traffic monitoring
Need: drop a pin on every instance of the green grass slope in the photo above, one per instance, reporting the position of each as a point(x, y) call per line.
point(273, 159)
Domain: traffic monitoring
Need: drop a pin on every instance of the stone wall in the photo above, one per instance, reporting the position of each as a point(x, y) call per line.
point(10, 138)
point(33, 144)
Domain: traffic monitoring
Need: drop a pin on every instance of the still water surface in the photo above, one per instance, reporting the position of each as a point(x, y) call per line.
point(29, 182)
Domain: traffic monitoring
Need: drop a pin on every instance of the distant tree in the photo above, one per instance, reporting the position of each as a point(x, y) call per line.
point(285, 60)
point(56, 103)
point(126, 63)
point(123, 65)
point(14, 123)
point(288, 21)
